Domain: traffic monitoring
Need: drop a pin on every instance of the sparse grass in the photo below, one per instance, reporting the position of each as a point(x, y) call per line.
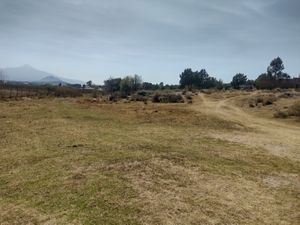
point(66, 162)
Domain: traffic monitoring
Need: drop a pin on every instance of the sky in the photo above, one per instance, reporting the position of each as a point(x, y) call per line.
point(156, 39)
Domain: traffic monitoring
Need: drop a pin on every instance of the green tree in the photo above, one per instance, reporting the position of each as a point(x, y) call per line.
point(89, 83)
point(202, 79)
point(2, 77)
point(275, 70)
point(127, 85)
point(187, 79)
point(198, 79)
point(137, 82)
point(112, 85)
point(238, 80)
point(149, 86)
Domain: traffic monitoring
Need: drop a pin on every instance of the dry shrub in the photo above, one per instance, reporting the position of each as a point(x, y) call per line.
point(67, 92)
point(167, 98)
point(251, 105)
point(286, 95)
point(281, 114)
point(269, 100)
point(295, 110)
point(141, 96)
point(138, 98)
point(207, 91)
point(259, 99)
point(189, 98)
point(262, 100)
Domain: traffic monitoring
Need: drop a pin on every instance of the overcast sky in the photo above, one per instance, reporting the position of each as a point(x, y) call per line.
point(157, 39)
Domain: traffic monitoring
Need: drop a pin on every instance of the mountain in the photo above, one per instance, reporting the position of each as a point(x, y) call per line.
point(27, 73)
point(51, 80)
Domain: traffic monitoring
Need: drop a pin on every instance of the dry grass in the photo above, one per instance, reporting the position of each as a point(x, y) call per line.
point(73, 162)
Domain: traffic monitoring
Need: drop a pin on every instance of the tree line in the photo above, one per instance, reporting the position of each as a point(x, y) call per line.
point(130, 84)
point(190, 79)
point(274, 77)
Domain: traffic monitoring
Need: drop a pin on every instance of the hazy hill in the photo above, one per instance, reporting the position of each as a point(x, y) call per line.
point(27, 73)
point(51, 80)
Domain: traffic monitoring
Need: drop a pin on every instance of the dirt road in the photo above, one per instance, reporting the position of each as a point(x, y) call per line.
point(279, 137)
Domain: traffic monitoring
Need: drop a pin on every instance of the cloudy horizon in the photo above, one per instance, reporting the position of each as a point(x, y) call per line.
point(92, 40)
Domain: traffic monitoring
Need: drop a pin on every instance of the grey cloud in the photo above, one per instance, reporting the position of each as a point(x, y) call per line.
point(120, 33)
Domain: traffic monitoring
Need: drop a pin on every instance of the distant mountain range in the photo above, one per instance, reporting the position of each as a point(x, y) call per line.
point(27, 73)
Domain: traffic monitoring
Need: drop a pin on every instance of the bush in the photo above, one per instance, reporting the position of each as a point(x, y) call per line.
point(269, 100)
point(281, 114)
point(259, 99)
point(167, 98)
point(67, 92)
point(265, 100)
point(144, 93)
point(287, 95)
point(139, 98)
point(189, 97)
point(295, 110)
point(114, 97)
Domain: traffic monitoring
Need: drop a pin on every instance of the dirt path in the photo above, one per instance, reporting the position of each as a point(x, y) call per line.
point(276, 136)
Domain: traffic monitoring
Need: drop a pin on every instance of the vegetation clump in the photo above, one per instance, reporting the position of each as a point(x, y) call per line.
point(281, 114)
point(161, 97)
point(263, 100)
point(295, 110)
point(66, 92)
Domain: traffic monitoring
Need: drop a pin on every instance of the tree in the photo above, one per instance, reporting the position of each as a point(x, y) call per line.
point(198, 79)
point(127, 85)
point(202, 79)
point(212, 82)
point(275, 69)
point(187, 78)
point(112, 85)
point(150, 86)
point(161, 85)
point(137, 82)
point(89, 83)
point(2, 77)
point(238, 80)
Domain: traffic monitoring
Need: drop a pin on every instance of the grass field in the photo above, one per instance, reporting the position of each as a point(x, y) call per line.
point(68, 161)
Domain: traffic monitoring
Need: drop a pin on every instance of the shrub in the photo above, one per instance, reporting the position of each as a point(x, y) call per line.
point(265, 100)
point(114, 97)
point(287, 95)
point(251, 105)
point(189, 97)
point(139, 98)
point(144, 93)
point(95, 94)
point(167, 98)
point(269, 100)
point(295, 110)
point(67, 92)
point(281, 114)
